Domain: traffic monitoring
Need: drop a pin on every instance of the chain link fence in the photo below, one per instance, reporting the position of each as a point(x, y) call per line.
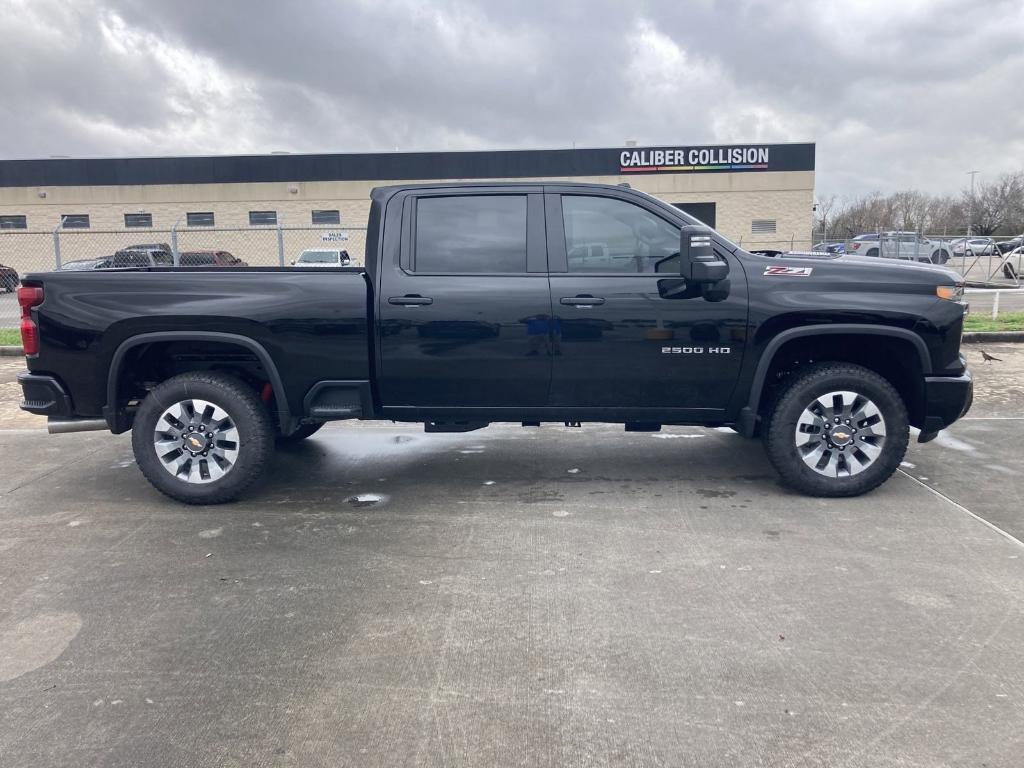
point(23, 252)
point(985, 261)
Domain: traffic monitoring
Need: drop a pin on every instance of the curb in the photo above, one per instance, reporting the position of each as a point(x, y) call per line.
point(12, 352)
point(977, 337)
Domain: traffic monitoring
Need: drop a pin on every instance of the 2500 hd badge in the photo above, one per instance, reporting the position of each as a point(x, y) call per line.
point(695, 350)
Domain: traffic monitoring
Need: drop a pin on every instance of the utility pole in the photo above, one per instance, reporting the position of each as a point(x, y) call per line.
point(970, 219)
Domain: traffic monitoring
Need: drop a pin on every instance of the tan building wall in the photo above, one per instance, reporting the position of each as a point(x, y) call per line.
point(786, 197)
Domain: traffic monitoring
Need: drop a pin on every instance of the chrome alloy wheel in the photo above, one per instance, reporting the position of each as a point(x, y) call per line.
point(196, 441)
point(840, 434)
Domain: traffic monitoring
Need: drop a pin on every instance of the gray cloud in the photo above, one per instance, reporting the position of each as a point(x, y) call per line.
point(895, 94)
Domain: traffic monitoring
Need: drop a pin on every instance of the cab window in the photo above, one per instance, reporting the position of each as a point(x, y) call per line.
point(471, 234)
point(606, 235)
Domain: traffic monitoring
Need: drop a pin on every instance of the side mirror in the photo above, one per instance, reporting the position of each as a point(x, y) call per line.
point(697, 260)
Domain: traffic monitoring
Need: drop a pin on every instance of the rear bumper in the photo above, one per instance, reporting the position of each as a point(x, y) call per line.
point(44, 396)
point(947, 398)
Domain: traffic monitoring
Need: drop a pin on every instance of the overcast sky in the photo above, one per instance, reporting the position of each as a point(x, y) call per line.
point(897, 94)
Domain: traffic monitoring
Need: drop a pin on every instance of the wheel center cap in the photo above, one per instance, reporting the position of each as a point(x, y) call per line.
point(841, 437)
point(195, 443)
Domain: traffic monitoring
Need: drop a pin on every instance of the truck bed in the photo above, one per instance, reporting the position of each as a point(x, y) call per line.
point(312, 322)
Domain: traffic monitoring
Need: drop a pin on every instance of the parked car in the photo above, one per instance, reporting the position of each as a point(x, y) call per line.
point(8, 279)
point(909, 246)
point(969, 247)
point(472, 317)
point(322, 257)
point(209, 259)
point(1005, 246)
point(126, 259)
point(1013, 264)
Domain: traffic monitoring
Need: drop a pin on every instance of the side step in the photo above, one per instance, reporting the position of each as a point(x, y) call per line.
point(454, 426)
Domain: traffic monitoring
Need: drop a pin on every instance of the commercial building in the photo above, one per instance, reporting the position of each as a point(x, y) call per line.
point(758, 194)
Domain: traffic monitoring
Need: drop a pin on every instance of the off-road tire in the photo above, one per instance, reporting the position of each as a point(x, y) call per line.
point(778, 431)
point(304, 431)
point(245, 409)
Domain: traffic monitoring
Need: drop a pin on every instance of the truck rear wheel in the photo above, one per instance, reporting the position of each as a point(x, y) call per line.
point(202, 438)
point(837, 429)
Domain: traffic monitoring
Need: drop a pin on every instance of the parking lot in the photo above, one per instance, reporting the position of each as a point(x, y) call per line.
point(543, 597)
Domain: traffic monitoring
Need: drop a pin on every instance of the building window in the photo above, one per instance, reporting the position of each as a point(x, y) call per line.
point(326, 217)
point(13, 222)
point(472, 233)
point(262, 218)
point(75, 220)
point(202, 219)
point(762, 227)
point(138, 220)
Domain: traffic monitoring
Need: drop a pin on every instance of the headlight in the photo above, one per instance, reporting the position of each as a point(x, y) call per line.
point(950, 292)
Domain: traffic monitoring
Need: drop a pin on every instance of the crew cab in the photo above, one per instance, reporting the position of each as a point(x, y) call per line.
point(512, 302)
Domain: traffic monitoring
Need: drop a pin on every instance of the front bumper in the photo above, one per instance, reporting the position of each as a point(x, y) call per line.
point(947, 398)
point(44, 396)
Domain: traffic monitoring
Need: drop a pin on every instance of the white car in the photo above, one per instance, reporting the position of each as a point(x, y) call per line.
point(1013, 263)
point(901, 245)
point(322, 257)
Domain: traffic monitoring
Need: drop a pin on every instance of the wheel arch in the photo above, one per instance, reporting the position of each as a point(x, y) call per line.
point(115, 416)
point(749, 414)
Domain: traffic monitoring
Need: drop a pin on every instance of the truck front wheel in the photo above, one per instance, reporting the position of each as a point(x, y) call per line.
point(202, 438)
point(837, 429)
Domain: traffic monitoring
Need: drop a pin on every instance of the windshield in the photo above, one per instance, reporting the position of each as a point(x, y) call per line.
point(319, 257)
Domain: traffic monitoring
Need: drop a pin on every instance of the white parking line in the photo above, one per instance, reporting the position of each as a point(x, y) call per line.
point(962, 508)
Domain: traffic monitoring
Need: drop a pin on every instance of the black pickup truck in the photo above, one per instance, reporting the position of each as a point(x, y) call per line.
point(526, 303)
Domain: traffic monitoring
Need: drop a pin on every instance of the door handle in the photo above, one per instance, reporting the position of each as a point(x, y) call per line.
point(581, 301)
point(410, 300)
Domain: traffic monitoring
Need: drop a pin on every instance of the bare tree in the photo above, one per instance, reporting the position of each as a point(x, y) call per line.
point(998, 209)
point(997, 205)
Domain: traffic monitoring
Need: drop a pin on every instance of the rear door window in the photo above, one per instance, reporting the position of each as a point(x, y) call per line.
point(470, 234)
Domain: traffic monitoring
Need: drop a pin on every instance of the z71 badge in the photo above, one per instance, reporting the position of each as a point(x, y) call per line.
point(788, 271)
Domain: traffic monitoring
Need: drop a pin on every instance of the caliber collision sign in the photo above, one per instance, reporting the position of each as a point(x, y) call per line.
point(681, 159)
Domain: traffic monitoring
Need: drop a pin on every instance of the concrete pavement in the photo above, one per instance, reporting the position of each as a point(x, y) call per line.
point(541, 597)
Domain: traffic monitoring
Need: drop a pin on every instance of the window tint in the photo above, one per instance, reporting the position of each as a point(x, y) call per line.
point(474, 233)
point(326, 217)
point(257, 218)
point(13, 222)
point(607, 235)
point(138, 220)
point(75, 220)
point(203, 219)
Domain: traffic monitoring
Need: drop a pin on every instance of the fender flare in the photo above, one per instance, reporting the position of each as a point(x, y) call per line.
point(284, 414)
point(747, 422)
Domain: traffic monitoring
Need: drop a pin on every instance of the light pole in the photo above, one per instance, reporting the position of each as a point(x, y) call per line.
point(970, 219)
